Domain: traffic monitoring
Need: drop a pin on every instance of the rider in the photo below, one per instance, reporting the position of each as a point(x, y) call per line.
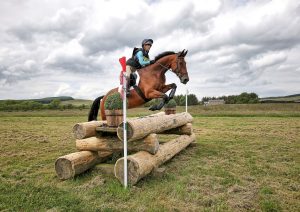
point(139, 59)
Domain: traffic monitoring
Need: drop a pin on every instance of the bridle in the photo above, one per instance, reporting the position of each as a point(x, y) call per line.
point(177, 69)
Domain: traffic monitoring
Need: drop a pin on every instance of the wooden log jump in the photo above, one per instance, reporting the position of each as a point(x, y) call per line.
point(142, 138)
point(73, 164)
point(112, 143)
point(141, 127)
point(142, 163)
point(86, 129)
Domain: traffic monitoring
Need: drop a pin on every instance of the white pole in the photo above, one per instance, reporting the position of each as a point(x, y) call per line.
point(186, 99)
point(125, 128)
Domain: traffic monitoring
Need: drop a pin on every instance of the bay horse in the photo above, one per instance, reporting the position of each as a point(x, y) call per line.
point(152, 83)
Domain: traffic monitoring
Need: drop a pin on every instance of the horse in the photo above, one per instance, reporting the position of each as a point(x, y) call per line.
point(152, 83)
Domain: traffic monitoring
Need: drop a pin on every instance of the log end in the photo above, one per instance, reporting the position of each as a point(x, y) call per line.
point(64, 169)
point(120, 131)
point(155, 148)
point(152, 141)
point(78, 131)
point(133, 171)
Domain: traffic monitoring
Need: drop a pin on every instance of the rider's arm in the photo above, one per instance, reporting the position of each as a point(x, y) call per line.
point(141, 59)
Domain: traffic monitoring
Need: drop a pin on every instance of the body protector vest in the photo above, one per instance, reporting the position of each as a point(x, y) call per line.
point(133, 61)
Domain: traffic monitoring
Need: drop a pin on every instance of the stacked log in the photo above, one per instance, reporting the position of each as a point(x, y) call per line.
point(86, 129)
point(139, 128)
point(112, 143)
point(186, 129)
point(75, 163)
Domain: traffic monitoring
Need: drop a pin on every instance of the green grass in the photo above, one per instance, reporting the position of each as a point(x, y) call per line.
point(246, 157)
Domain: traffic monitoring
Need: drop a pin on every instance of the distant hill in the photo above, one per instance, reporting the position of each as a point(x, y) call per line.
point(47, 100)
point(65, 100)
point(281, 99)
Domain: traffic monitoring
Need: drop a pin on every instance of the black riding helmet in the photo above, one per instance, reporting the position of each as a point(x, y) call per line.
point(147, 41)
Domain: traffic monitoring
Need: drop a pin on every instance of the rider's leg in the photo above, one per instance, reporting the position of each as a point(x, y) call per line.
point(129, 70)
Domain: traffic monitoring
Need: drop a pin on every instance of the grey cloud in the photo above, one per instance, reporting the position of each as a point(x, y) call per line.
point(273, 33)
point(115, 35)
point(75, 64)
point(65, 24)
point(13, 74)
point(129, 31)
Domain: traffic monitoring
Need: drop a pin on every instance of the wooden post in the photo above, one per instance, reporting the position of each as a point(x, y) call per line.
point(113, 144)
point(142, 163)
point(86, 129)
point(73, 164)
point(141, 127)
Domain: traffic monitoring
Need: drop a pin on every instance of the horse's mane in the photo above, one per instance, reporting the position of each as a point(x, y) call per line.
point(163, 54)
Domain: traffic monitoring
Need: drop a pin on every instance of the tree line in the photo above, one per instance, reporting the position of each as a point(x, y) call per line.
point(243, 98)
point(24, 105)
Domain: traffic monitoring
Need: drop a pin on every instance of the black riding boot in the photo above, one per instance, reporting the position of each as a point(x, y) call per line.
point(128, 89)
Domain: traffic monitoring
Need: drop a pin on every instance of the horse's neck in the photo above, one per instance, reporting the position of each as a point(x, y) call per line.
point(159, 68)
point(163, 64)
point(155, 72)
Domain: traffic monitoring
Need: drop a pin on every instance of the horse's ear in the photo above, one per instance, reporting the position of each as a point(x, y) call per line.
point(181, 54)
point(185, 53)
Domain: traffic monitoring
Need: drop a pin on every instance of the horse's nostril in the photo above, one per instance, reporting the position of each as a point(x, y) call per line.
point(185, 81)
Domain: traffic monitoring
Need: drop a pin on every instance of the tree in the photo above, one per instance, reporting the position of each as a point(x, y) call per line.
point(192, 99)
point(54, 104)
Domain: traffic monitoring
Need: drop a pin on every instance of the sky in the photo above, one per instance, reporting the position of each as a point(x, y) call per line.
point(71, 47)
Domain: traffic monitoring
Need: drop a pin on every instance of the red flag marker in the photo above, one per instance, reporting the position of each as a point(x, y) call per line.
point(122, 60)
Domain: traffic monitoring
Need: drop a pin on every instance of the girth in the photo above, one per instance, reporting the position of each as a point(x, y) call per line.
point(140, 93)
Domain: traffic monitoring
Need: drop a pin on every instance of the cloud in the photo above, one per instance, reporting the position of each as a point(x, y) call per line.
point(64, 24)
point(268, 59)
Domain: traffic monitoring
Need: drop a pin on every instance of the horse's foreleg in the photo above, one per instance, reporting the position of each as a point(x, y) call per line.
point(154, 94)
point(172, 86)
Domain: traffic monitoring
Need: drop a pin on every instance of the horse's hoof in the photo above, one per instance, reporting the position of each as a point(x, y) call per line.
point(153, 108)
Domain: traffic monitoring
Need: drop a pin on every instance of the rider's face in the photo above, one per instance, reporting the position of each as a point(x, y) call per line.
point(147, 47)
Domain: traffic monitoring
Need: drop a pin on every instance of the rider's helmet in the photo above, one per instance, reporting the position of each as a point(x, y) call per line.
point(147, 41)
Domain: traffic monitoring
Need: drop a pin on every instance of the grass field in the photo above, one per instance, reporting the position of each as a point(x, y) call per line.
point(246, 157)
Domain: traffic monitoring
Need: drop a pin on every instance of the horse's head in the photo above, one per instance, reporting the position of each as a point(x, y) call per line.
point(178, 66)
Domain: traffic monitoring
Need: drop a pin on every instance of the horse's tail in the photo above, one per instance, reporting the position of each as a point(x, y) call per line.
point(94, 109)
